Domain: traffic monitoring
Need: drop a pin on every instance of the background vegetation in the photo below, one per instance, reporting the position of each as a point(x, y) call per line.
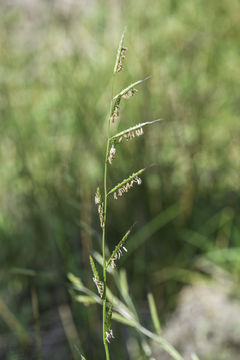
point(56, 61)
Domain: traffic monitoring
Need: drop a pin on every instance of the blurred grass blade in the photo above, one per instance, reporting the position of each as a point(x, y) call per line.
point(121, 319)
point(156, 338)
point(179, 274)
point(69, 327)
point(154, 314)
point(76, 281)
point(86, 300)
point(125, 292)
point(159, 340)
point(151, 227)
point(195, 357)
point(12, 322)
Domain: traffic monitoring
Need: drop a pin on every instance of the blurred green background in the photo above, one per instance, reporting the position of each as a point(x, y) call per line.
point(56, 61)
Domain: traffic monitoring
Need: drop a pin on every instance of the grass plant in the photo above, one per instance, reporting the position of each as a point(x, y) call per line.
point(112, 307)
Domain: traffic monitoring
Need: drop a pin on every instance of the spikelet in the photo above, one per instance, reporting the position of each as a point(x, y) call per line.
point(112, 154)
point(117, 252)
point(115, 110)
point(131, 134)
point(115, 114)
point(98, 197)
point(99, 203)
point(120, 54)
point(125, 94)
point(123, 189)
point(126, 184)
point(129, 93)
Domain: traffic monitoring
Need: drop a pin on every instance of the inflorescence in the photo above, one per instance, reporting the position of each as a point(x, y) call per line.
point(126, 187)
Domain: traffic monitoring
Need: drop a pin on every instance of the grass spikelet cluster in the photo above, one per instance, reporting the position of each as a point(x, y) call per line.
point(117, 253)
point(120, 54)
point(126, 184)
point(96, 279)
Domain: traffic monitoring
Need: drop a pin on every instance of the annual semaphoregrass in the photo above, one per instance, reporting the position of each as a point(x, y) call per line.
point(56, 70)
point(112, 308)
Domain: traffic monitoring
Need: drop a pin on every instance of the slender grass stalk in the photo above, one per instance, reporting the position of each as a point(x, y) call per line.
point(106, 298)
point(117, 68)
point(103, 244)
point(113, 115)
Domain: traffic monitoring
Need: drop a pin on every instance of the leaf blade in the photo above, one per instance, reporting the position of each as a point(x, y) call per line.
point(154, 314)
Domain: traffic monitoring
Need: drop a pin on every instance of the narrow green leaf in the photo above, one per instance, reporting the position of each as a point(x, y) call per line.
point(161, 341)
point(76, 281)
point(86, 300)
point(94, 269)
point(119, 51)
point(164, 217)
point(156, 338)
point(125, 181)
point(123, 283)
point(154, 314)
point(121, 319)
point(133, 128)
point(119, 246)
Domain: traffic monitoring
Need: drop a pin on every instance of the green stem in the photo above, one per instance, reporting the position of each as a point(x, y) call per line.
point(103, 248)
point(104, 234)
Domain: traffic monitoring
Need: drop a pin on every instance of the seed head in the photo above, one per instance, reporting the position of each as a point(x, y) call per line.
point(101, 215)
point(99, 285)
point(126, 187)
point(139, 132)
point(97, 200)
point(109, 335)
point(129, 93)
point(122, 56)
point(115, 114)
point(117, 256)
point(111, 154)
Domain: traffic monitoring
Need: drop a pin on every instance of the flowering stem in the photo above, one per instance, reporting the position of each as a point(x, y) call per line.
point(104, 233)
point(103, 248)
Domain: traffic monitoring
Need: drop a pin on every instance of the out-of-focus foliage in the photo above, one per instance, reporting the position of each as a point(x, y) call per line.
point(56, 63)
